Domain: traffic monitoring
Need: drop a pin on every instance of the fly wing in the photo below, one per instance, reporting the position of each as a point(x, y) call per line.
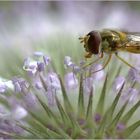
point(133, 43)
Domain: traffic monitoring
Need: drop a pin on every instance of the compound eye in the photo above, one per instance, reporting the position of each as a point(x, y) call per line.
point(94, 42)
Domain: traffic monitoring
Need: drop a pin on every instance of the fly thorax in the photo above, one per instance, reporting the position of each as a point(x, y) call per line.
point(105, 46)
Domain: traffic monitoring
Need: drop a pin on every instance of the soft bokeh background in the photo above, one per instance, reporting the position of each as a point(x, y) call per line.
point(56, 25)
point(36, 19)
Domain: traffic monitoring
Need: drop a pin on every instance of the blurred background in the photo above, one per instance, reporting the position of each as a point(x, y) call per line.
point(35, 19)
point(50, 26)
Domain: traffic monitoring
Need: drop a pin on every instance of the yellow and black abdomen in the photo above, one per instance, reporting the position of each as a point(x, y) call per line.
point(133, 47)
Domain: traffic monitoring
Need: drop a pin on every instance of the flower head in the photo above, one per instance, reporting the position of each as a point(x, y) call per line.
point(52, 81)
point(71, 81)
point(20, 85)
point(30, 66)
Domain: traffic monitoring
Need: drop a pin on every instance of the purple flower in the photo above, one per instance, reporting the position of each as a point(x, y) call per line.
point(53, 85)
point(6, 125)
point(17, 87)
point(120, 127)
point(40, 66)
point(118, 83)
point(130, 94)
point(30, 66)
point(51, 97)
point(76, 69)
point(30, 101)
point(20, 85)
point(9, 125)
point(46, 60)
point(19, 113)
point(88, 85)
point(71, 81)
point(3, 111)
point(134, 75)
point(67, 61)
point(52, 81)
point(98, 75)
point(81, 121)
point(38, 85)
point(3, 87)
point(97, 118)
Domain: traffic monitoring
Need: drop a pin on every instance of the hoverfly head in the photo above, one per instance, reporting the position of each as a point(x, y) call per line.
point(91, 42)
point(84, 40)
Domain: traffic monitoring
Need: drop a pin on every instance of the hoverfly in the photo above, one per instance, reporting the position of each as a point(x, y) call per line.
point(111, 42)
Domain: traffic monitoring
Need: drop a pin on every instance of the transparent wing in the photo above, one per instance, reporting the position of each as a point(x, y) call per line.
point(133, 43)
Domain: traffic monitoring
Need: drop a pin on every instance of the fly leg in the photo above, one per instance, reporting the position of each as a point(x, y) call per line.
point(100, 57)
point(108, 60)
point(124, 61)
